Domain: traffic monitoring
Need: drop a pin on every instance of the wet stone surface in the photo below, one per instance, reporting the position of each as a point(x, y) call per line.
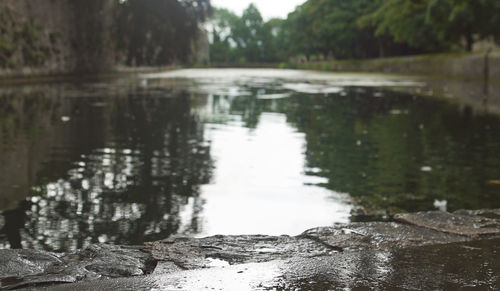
point(193, 254)
point(463, 222)
point(23, 268)
point(425, 250)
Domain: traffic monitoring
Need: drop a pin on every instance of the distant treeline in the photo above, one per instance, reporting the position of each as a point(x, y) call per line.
point(62, 36)
point(354, 29)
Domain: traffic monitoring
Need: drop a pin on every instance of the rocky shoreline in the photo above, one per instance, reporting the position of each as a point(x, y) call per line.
point(406, 253)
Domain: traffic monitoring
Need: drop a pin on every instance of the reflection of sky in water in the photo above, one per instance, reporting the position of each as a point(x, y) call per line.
point(259, 184)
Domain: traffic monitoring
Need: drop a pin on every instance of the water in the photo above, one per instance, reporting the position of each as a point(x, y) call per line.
point(205, 152)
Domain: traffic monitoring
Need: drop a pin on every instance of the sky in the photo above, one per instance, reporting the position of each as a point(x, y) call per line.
point(268, 8)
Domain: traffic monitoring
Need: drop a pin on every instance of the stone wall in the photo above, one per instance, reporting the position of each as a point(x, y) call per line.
point(461, 65)
point(55, 36)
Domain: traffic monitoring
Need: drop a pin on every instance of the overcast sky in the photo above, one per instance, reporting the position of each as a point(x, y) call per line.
point(268, 8)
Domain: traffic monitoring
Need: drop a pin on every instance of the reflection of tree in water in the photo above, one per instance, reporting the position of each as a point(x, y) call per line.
point(28, 128)
point(14, 220)
point(128, 170)
point(375, 149)
point(250, 108)
point(376, 145)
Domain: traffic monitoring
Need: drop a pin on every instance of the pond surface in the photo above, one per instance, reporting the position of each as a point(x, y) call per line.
point(205, 152)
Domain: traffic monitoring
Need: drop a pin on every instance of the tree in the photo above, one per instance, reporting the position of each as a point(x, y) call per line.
point(329, 28)
point(222, 44)
point(299, 32)
point(159, 32)
point(273, 42)
point(436, 25)
point(457, 20)
point(406, 21)
point(247, 33)
point(244, 39)
point(356, 29)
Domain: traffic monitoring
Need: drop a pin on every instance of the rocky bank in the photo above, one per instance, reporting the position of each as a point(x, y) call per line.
point(427, 250)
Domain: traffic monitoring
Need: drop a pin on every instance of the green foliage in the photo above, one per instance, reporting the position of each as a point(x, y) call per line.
point(159, 32)
point(244, 39)
point(332, 30)
point(33, 57)
point(434, 25)
point(6, 50)
point(248, 34)
point(462, 19)
point(103, 33)
point(222, 47)
point(299, 32)
point(273, 40)
point(406, 22)
point(339, 29)
point(34, 54)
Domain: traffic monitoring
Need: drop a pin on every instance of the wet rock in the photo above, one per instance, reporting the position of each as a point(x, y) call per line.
point(21, 263)
point(328, 256)
point(195, 253)
point(163, 268)
point(115, 271)
point(488, 213)
point(21, 268)
point(380, 235)
point(460, 223)
point(456, 266)
point(179, 252)
point(40, 280)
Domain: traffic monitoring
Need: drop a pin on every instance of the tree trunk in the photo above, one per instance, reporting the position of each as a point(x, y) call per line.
point(381, 50)
point(469, 41)
point(486, 73)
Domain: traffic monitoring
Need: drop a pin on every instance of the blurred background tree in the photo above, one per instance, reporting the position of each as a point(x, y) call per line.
point(160, 32)
point(244, 39)
point(456, 20)
point(95, 35)
point(356, 29)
